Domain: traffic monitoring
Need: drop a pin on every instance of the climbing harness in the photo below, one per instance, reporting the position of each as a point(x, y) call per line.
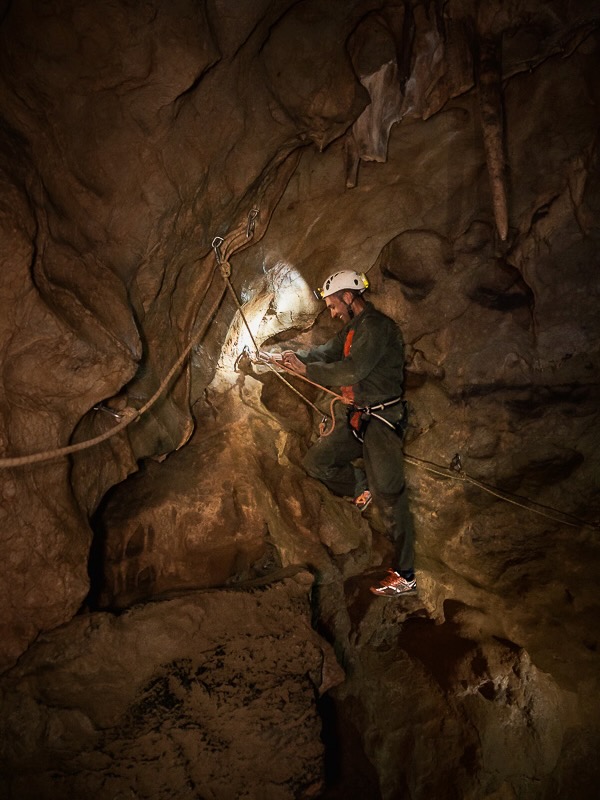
point(359, 418)
point(223, 249)
point(454, 471)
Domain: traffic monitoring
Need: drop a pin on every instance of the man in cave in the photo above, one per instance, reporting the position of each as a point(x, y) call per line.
point(365, 359)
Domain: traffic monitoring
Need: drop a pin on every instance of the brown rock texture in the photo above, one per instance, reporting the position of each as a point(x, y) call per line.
point(195, 522)
point(450, 150)
point(473, 717)
point(212, 695)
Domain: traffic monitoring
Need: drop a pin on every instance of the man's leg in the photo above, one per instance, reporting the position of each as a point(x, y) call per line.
point(329, 460)
point(384, 461)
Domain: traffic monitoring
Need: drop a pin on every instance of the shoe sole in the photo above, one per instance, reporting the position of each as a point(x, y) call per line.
point(393, 594)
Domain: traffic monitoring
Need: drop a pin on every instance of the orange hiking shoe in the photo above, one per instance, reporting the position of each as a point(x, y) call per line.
point(363, 500)
point(394, 585)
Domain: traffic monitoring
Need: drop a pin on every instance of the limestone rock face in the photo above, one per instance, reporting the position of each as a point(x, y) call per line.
point(185, 696)
point(58, 348)
point(200, 520)
point(163, 165)
point(474, 714)
point(307, 70)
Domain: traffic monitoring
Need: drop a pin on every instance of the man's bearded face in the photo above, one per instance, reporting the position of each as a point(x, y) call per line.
point(338, 306)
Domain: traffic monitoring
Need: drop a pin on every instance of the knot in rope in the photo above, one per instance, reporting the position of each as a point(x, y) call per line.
point(225, 268)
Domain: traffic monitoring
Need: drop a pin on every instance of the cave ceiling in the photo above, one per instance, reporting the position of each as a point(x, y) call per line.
point(163, 165)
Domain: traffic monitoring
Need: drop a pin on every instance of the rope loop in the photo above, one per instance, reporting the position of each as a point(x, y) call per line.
point(323, 425)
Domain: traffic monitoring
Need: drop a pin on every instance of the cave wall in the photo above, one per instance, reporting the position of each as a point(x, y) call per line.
point(177, 695)
point(450, 150)
point(126, 154)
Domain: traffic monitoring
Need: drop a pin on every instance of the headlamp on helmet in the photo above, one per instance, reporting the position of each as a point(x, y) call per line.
point(346, 279)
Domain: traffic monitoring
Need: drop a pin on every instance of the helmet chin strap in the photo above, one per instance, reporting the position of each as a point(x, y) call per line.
point(349, 307)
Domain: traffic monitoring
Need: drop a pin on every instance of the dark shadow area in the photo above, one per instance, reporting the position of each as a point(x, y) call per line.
point(349, 775)
point(96, 558)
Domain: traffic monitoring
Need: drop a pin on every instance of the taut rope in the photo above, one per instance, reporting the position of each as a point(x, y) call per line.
point(230, 244)
point(453, 474)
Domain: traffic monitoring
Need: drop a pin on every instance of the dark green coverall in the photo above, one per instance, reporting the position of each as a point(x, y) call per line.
point(367, 358)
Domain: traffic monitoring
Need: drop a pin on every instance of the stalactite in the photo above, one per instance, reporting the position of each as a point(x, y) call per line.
point(405, 52)
point(351, 160)
point(491, 107)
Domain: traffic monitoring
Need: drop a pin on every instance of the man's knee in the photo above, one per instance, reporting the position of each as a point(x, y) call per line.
point(390, 499)
point(312, 463)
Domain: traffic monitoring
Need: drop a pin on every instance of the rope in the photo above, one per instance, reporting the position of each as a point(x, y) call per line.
point(194, 340)
point(336, 397)
point(436, 469)
point(508, 497)
point(130, 414)
point(226, 273)
point(293, 388)
point(231, 244)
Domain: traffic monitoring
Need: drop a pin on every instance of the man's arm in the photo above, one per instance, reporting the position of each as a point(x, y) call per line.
point(368, 345)
point(323, 353)
point(332, 350)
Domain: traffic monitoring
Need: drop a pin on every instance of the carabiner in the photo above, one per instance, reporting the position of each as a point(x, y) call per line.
point(253, 214)
point(216, 246)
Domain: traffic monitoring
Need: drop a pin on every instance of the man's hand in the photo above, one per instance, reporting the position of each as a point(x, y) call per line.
point(293, 363)
point(272, 358)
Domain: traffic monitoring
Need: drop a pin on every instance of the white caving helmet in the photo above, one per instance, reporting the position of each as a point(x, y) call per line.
point(345, 279)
